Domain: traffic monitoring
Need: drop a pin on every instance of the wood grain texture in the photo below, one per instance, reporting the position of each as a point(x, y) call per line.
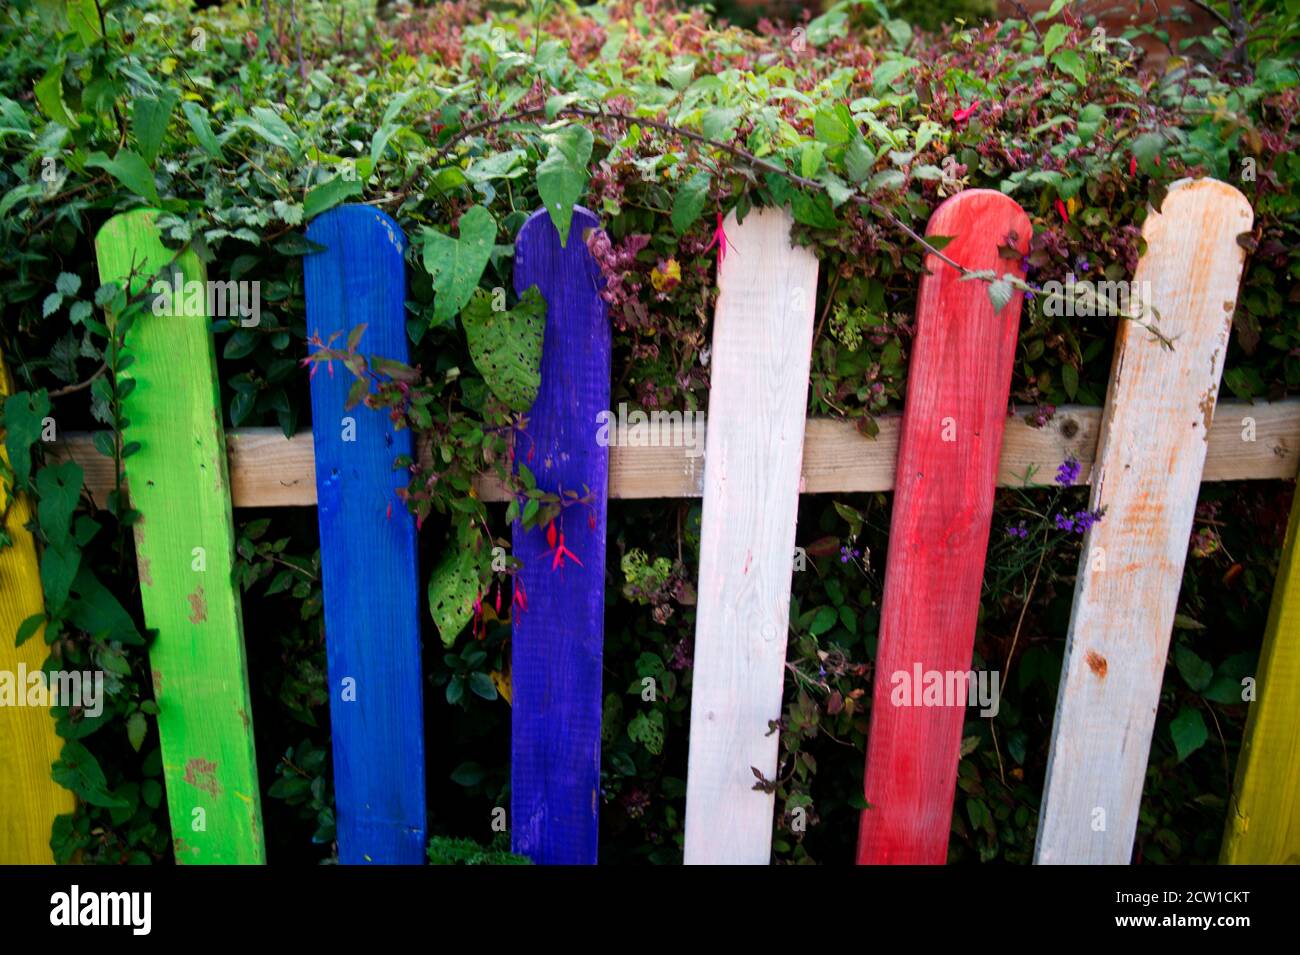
point(369, 562)
point(28, 744)
point(185, 552)
point(1159, 406)
point(269, 470)
point(762, 346)
point(1263, 823)
point(948, 456)
point(557, 641)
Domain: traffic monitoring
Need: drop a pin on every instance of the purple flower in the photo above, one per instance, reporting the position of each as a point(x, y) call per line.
point(1064, 522)
point(1068, 473)
point(1018, 530)
point(1083, 520)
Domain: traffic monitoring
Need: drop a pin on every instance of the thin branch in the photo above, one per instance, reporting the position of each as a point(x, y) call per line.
point(1020, 8)
point(81, 385)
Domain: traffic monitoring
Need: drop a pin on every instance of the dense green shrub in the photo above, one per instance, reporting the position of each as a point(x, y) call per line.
point(244, 122)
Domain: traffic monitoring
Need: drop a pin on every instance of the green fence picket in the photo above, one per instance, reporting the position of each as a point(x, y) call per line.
point(185, 551)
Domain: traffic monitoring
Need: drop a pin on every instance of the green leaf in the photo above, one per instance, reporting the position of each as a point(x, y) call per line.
point(68, 283)
point(59, 566)
point(453, 588)
point(49, 96)
point(78, 770)
point(202, 128)
point(810, 158)
point(887, 179)
point(826, 618)
point(1055, 37)
point(267, 125)
point(29, 628)
point(130, 170)
point(689, 202)
point(96, 611)
point(482, 685)
point(562, 176)
point(1070, 380)
point(890, 70)
point(1195, 671)
point(830, 129)
point(330, 193)
point(1090, 119)
point(720, 123)
point(858, 160)
point(24, 414)
point(137, 727)
point(456, 265)
point(831, 24)
point(506, 346)
point(149, 118)
point(83, 17)
point(1067, 61)
point(1226, 687)
point(648, 730)
point(1188, 732)
point(59, 487)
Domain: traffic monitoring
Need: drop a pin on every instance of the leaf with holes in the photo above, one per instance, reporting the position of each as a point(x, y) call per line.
point(506, 346)
point(453, 588)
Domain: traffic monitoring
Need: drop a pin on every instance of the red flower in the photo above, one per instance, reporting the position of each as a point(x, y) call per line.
point(961, 115)
point(1132, 165)
point(560, 551)
point(719, 239)
point(558, 546)
point(1060, 207)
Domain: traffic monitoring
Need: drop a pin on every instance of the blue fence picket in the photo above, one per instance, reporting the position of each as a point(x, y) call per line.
point(558, 632)
point(369, 567)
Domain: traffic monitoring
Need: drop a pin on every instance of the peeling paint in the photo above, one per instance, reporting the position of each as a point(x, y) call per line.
point(198, 605)
point(1207, 410)
point(1097, 663)
point(202, 774)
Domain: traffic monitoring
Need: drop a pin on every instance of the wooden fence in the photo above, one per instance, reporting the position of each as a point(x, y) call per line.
point(1144, 456)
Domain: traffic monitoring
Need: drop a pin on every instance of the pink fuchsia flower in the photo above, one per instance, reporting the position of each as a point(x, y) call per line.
point(961, 115)
point(719, 239)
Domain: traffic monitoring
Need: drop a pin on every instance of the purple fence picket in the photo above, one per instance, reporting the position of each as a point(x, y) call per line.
point(559, 627)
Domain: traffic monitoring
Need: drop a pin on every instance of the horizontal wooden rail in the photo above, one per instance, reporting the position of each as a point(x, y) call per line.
point(269, 470)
